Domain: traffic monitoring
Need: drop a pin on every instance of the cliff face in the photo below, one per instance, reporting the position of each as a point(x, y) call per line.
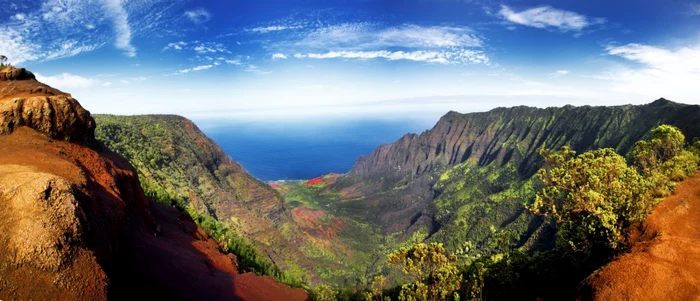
point(516, 134)
point(75, 224)
point(397, 182)
point(173, 157)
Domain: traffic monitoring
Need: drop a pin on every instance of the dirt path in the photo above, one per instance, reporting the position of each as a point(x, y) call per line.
point(665, 264)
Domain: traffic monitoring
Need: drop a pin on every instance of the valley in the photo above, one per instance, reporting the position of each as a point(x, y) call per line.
point(464, 183)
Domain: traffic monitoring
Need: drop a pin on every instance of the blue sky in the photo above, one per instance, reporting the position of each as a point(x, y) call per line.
point(335, 60)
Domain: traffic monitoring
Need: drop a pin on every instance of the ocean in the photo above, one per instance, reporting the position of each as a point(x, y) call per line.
point(292, 151)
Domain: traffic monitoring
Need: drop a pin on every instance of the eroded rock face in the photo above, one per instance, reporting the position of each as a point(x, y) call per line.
point(58, 117)
point(27, 102)
point(15, 74)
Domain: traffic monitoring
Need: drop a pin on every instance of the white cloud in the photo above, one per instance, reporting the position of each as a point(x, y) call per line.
point(198, 16)
point(440, 57)
point(120, 19)
point(670, 73)
point(559, 73)
point(176, 45)
point(18, 17)
point(107, 84)
point(66, 81)
point(366, 40)
point(193, 69)
point(254, 69)
point(278, 56)
point(204, 48)
point(234, 62)
point(546, 16)
point(368, 35)
point(273, 28)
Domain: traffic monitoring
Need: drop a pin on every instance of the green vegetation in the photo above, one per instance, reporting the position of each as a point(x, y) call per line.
point(247, 255)
point(596, 197)
point(180, 167)
point(3, 61)
point(435, 276)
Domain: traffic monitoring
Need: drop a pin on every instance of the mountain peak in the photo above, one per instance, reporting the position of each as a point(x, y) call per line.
point(661, 102)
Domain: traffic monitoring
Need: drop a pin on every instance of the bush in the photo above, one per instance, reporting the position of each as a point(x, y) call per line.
point(435, 275)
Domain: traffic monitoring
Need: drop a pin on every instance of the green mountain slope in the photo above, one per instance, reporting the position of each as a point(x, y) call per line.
point(175, 160)
point(464, 181)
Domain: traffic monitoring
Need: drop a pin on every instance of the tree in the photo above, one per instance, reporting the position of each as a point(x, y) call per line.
point(666, 142)
point(435, 275)
point(376, 291)
point(324, 292)
point(3, 60)
point(593, 197)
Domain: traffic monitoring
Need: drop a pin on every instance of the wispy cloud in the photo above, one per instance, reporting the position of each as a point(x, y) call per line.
point(367, 40)
point(175, 46)
point(273, 28)
point(120, 19)
point(559, 73)
point(548, 17)
point(441, 57)
point(369, 35)
point(198, 16)
point(671, 73)
point(68, 81)
point(210, 47)
point(279, 56)
point(255, 69)
point(193, 69)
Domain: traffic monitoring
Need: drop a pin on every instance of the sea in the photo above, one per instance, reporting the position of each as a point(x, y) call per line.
point(272, 152)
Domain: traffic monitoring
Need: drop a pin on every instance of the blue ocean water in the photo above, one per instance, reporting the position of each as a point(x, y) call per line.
point(287, 152)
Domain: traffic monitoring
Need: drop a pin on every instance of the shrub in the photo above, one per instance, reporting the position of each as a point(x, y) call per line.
point(435, 275)
point(324, 292)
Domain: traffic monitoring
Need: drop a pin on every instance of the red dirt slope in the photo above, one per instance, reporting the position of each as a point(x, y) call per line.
point(75, 224)
point(665, 264)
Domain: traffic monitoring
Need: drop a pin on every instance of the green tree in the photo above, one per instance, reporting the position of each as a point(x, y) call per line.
point(377, 290)
point(323, 292)
point(666, 142)
point(593, 197)
point(435, 275)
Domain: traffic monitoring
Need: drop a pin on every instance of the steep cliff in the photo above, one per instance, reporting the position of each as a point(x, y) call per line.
point(173, 157)
point(465, 179)
point(75, 224)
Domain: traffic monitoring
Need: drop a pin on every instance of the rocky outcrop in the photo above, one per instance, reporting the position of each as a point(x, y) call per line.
point(75, 224)
point(27, 102)
point(10, 74)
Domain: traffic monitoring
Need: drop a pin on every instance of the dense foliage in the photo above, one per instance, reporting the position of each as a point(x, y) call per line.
point(435, 275)
point(596, 197)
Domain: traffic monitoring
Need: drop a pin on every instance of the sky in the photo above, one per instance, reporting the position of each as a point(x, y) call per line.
point(306, 61)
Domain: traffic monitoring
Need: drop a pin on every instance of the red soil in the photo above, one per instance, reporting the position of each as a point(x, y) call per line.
point(314, 181)
point(315, 222)
point(665, 263)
